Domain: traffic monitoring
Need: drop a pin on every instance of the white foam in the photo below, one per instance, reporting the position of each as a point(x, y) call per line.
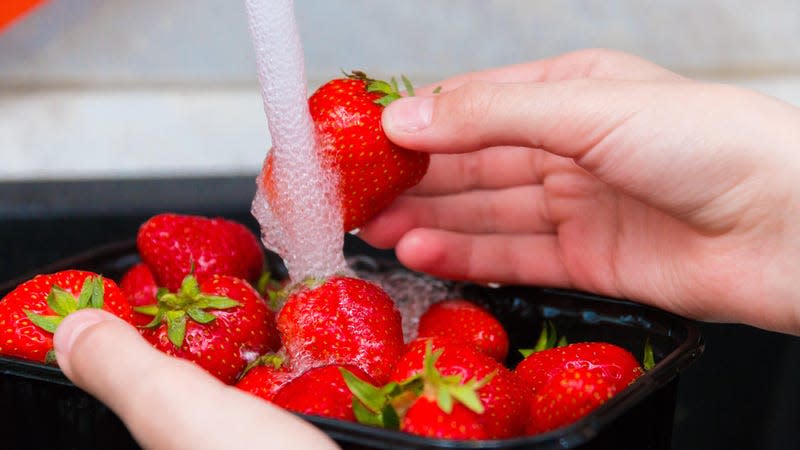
point(303, 224)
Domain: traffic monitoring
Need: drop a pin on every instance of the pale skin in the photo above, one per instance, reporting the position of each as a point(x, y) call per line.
point(594, 170)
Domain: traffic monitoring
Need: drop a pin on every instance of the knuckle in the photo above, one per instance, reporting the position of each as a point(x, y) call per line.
point(472, 102)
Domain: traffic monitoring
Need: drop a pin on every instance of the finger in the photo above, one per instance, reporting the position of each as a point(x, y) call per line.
point(512, 259)
point(491, 168)
point(167, 402)
point(514, 210)
point(588, 63)
point(646, 139)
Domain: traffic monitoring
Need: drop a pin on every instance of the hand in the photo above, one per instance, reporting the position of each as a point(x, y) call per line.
point(600, 171)
point(167, 402)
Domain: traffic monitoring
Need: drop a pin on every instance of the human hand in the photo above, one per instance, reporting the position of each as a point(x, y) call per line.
point(167, 402)
point(602, 172)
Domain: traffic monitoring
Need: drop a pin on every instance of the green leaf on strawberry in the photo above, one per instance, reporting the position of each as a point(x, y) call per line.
point(189, 301)
point(548, 338)
point(648, 360)
point(64, 303)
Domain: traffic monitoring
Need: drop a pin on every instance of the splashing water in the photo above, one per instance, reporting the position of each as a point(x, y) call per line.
point(301, 220)
point(413, 293)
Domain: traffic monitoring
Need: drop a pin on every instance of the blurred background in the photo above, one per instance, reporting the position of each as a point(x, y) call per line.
point(112, 110)
point(98, 88)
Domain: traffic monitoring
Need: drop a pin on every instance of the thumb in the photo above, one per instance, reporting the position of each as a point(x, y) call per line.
point(167, 402)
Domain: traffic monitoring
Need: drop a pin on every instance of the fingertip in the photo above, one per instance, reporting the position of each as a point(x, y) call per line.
point(418, 251)
point(385, 229)
point(407, 115)
point(71, 329)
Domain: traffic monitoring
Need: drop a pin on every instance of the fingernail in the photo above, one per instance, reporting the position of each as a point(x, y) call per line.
point(408, 114)
point(73, 326)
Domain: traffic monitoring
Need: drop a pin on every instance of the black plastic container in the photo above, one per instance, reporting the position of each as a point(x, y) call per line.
point(40, 408)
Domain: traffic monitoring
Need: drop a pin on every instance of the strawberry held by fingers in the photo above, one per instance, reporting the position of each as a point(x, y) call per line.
point(220, 324)
point(30, 314)
point(371, 170)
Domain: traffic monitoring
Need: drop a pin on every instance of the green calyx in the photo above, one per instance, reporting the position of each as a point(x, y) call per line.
point(374, 405)
point(383, 406)
point(64, 303)
point(447, 389)
point(272, 290)
point(648, 359)
point(390, 89)
point(275, 360)
point(548, 339)
point(186, 304)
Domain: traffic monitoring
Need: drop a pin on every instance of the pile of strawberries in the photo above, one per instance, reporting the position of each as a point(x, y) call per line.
point(330, 347)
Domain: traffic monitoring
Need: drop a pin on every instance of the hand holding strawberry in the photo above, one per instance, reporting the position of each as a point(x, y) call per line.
point(371, 170)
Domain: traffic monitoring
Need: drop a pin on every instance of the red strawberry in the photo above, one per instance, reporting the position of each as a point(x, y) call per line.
point(174, 245)
point(566, 383)
point(30, 314)
point(426, 418)
point(265, 376)
point(342, 321)
point(140, 288)
point(570, 395)
point(371, 170)
point(615, 362)
point(463, 321)
point(503, 410)
point(221, 324)
point(320, 391)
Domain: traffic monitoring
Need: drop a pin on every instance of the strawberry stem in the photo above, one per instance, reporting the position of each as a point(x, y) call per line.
point(390, 90)
point(189, 302)
point(548, 338)
point(64, 303)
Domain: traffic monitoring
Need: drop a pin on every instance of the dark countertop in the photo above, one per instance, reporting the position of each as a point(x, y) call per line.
point(742, 394)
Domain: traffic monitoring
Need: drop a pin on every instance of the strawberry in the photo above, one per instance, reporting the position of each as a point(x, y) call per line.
point(615, 362)
point(174, 245)
point(426, 418)
point(30, 314)
point(342, 320)
point(139, 286)
point(460, 320)
point(221, 324)
point(371, 170)
point(570, 395)
point(566, 383)
point(500, 402)
point(265, 376)
point(320, 391)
